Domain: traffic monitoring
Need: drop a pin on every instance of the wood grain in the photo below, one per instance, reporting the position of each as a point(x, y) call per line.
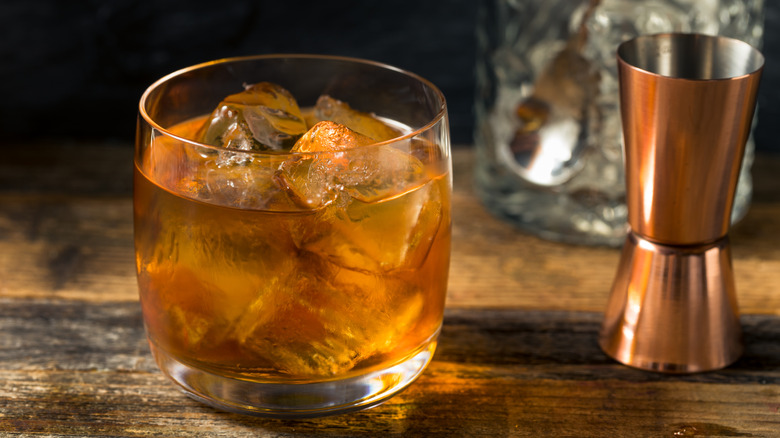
point(517, 355)
point(67, 233)
point(70, 369)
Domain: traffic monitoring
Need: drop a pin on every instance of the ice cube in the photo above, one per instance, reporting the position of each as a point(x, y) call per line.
point(229, 180)
point(227, 128)
point(328, 108)
point(201, 273)
point(381, 172)
point(322, 320)
point(387, 215)
point(312, 179)
point(182, 307)
point(264, 117)
point(328, 136)
point(384, 236)
point(248, 186)
point(355, 167)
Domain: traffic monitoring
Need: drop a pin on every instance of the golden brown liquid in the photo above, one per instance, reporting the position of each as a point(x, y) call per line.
point(282, 293)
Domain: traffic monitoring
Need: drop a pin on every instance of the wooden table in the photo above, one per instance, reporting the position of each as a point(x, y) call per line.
point(517, 357)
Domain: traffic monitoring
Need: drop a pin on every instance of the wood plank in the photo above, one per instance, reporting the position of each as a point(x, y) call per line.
point(517, 355)
point(109, 336)
point(495, 265)
point(68, 235)
point(81, 248)
point(70, 369)
point(67, 247)
point(447, 401)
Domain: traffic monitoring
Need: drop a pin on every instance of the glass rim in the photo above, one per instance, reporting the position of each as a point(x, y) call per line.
point(439, 116)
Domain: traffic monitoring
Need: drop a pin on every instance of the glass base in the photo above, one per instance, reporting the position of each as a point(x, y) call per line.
point(295, 400)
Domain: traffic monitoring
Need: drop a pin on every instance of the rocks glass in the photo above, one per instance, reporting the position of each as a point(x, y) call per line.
point(292, 284)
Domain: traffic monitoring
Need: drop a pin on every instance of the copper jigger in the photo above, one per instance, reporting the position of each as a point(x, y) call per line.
point(687, 102)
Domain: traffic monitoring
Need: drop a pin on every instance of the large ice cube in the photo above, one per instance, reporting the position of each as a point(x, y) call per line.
point(387, 215)
point(264, 117)
point(312, 179)
point(202, 271)
point(328, 108)
point(352, 165)
point(322, 320)
point(381, 172)
point(328, 136)
point(384, 236)
point(185, 309)
point(232, 181)
point(249, 186)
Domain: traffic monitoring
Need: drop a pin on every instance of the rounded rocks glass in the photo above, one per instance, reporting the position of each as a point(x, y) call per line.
point(292, 282)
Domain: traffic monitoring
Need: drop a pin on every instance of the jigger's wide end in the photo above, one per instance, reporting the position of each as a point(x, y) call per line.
point(673, 309)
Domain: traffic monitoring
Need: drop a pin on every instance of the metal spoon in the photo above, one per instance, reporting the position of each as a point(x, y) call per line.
point(553, 121)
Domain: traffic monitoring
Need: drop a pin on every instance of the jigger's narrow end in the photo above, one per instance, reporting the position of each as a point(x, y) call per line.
point(673, 309)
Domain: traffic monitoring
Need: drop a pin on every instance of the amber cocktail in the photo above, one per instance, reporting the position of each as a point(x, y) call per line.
point(292, 230)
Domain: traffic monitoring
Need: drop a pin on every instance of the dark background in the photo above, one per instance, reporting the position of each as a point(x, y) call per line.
point(74, 70)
